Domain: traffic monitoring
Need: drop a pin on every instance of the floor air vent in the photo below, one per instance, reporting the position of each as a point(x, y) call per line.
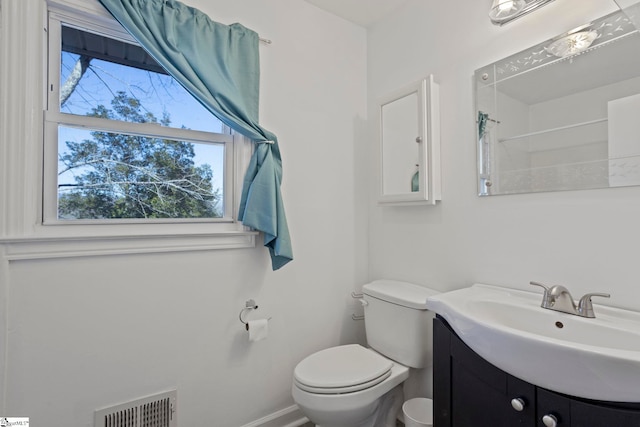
point(153, 411)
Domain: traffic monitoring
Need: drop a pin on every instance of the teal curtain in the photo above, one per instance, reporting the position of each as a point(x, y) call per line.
point(220, 66)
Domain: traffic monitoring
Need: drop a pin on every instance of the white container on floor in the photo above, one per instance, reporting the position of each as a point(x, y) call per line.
point(418, 412)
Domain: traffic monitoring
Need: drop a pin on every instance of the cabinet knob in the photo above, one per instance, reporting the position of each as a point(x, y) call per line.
point(518, 404)
point(550, 420)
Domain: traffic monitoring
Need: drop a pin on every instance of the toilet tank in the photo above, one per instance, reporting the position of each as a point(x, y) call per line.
point(397, 322)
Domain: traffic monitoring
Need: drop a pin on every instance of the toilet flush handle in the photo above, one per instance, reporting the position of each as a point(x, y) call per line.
point(364, 302)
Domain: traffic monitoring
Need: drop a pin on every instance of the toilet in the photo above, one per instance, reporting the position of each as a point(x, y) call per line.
point(356, 386)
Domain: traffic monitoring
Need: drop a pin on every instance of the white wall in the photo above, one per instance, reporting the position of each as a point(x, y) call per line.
point(584, 239)
point(83, 333)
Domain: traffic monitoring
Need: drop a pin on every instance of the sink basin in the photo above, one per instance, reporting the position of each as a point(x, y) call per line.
point(590, 358)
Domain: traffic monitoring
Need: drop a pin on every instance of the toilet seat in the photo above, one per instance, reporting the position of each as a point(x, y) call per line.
point(343, 369)
point(342, 390)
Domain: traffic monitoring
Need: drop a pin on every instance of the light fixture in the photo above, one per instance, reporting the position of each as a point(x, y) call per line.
point(503, 11)
point(574, 42)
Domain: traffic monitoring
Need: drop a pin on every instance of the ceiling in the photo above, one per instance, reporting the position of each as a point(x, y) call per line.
point(362, 12)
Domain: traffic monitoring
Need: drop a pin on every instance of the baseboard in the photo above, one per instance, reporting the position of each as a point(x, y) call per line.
point(287, 417)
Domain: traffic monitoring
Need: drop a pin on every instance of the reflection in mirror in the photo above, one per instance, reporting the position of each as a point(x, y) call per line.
point(410, 145)
point(562, 115)
point(400, 153)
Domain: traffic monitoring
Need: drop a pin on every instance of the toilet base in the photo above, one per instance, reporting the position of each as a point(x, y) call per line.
point(376, 406)
point(382, 412)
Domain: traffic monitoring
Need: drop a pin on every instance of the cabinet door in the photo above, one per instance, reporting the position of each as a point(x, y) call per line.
point(577, 413)
point(552, 404)
point(589, 415)
point(441, 374)
point(470, 392)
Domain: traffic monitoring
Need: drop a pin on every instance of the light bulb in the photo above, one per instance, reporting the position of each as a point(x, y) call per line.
point(572, 44)
point(505, 9)
point(506, 6)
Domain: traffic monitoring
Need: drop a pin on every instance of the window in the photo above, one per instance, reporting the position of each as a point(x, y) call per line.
point(124, 142)
point(34, 130)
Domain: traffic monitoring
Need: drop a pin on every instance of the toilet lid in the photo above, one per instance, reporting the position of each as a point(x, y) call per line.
point(342, 369)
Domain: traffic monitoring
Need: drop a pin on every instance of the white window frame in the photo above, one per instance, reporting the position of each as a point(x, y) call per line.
point(29, 228)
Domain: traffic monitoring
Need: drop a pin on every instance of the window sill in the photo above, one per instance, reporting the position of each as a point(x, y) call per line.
point(33, 248)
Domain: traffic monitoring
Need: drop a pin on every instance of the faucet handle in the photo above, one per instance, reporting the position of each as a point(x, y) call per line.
point(546, 288)
point(546, 298)
point(585, 307)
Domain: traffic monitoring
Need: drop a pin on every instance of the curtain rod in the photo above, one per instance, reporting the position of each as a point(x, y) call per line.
point(540, 132)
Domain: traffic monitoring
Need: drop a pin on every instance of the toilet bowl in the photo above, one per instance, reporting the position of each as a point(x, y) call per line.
point(349, 386)
point(354, 386)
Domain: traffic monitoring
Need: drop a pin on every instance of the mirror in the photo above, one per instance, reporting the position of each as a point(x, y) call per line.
point(562, 115)
point(410, 145)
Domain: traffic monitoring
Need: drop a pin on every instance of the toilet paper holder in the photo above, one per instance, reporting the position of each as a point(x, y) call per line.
point(248, 305)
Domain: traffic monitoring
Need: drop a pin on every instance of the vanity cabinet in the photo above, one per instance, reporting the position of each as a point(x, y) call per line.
point(468, 391)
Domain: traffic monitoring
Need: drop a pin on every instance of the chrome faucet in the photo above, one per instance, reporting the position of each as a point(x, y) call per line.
point(558, 298)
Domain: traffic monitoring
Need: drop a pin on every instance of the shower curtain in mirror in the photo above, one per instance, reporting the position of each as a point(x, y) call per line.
point(484, 153)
